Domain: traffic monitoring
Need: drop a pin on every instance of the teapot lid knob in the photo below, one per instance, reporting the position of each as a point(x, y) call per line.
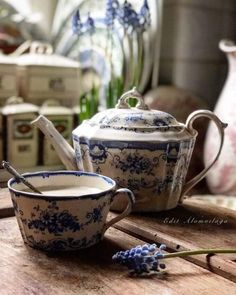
point(123, 104)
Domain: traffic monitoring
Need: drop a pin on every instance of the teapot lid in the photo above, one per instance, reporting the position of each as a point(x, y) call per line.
point(139, 118)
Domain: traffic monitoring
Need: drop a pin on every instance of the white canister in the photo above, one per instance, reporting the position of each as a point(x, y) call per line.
point(21, 138)
point(62, 118)
point(8, 83)
point(42, 75)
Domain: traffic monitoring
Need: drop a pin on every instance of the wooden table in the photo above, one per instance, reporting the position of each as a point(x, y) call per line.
point(91, 271)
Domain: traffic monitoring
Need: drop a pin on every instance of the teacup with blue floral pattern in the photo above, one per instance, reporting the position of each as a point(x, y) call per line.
point(63, 217)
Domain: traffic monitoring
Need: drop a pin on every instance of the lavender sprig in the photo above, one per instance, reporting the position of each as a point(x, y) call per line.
point(144, 16)
point(89, 25)
point(77, 25)
point(127, 16)
point(141, 259)
point(146, 258)
point(134, 24)
point(112, 7)
point(79, 28)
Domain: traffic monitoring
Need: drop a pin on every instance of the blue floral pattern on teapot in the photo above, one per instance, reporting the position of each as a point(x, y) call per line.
point(158, 168)
point(143, 149)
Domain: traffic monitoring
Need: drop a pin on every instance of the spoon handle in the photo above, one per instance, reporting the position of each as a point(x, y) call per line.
point(18, 176)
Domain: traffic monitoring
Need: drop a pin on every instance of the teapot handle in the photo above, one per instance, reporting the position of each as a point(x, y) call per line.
point(189, 125)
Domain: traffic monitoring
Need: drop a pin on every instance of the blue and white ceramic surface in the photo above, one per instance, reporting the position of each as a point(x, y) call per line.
point(145, 150)
point(65, 221)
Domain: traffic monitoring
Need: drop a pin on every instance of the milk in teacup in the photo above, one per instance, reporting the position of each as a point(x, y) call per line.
point(70, 191)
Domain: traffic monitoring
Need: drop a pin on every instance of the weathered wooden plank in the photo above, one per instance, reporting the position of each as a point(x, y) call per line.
point(180, 229)
point(27, 271)
point(6, 209)
point(190, 226)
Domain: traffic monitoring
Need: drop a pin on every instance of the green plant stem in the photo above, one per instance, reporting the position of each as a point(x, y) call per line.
point(109, 53)
point(112, 85)
point(139, 63)
point(198, 252)
point(131, 60)
point(140, 60)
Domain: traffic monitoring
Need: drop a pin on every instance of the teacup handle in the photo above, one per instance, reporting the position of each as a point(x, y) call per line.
point(128, 209)
point(189, 125)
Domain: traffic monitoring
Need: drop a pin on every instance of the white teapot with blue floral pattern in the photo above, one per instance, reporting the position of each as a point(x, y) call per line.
point(144, 150)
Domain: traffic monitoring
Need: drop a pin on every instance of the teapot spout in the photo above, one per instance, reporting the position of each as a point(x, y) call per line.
point(61, 146)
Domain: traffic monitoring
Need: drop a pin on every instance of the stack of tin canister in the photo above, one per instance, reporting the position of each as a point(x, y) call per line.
point(8, 88)
point(27, 82)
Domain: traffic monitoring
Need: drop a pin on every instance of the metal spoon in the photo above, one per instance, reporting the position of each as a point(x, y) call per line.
point(19, 177)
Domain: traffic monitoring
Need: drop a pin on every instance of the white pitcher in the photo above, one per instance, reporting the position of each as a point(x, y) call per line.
point(222, 179)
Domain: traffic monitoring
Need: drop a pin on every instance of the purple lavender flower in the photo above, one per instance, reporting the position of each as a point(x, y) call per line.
point(145, 259)
point(76, 23)
point(112, 7)
point(127, 16)
point(80, 28)
point(141, 259)
point(144, 16)
point(89, 25)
